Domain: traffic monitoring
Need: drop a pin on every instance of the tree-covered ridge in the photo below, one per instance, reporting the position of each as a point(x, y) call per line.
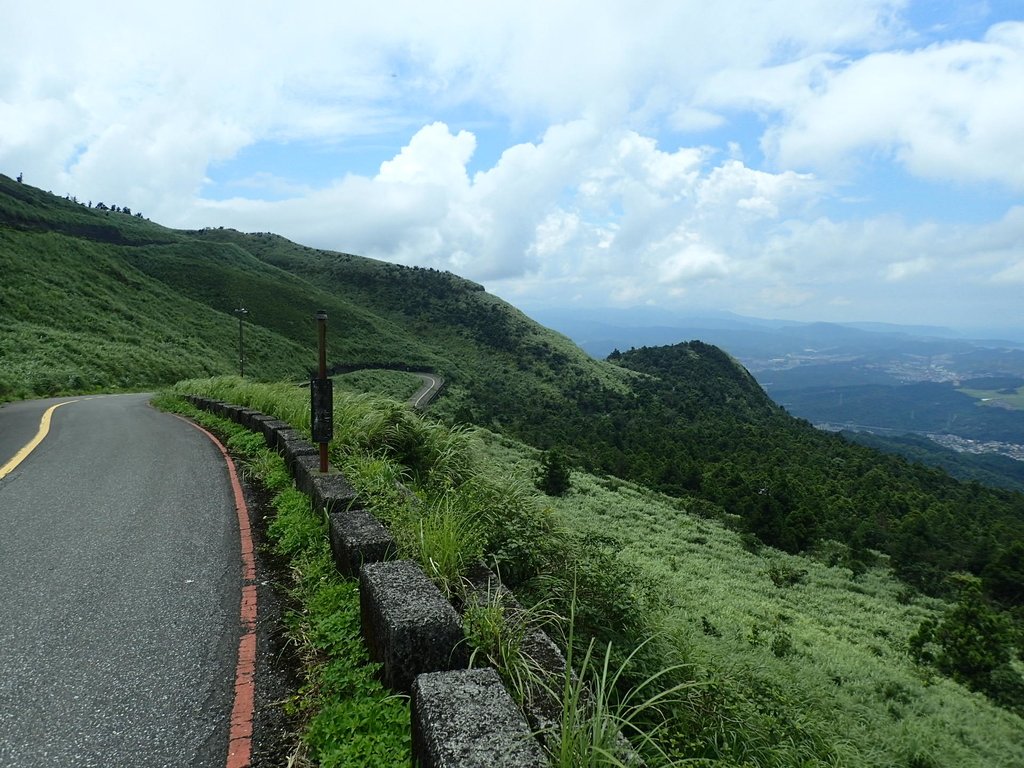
point(716, 434)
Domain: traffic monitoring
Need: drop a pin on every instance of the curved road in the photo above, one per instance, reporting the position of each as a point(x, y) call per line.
point(424, 395)
point(119, 588)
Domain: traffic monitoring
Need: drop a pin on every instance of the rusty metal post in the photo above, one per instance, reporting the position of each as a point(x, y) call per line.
point(321, 327)
point(321, 392)
point(241, 312)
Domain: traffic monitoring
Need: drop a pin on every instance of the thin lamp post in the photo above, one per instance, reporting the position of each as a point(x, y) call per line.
point(241, 312)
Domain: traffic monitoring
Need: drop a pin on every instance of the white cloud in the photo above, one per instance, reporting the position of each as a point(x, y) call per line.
point(434, 157)
point(613, 152)
point(952, 111)
point(902, 270)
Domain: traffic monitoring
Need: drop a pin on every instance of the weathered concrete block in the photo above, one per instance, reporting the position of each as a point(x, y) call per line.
point(332, 492)
point(292, 450)
point(285, 435)
point(245, 416)
point(357, 537)
point(409, 626)
point(257, 420)
point(466, 719)
point(270, 430)
point(230, 411)
point(305, 468)
point(216, 407)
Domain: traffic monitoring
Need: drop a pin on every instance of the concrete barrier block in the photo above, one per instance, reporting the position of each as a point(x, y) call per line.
point(216, 407)
point(257, 420)
point(245, 416)
point(466, 719)
point(230, 411)
point(285, 435)
point(409, 626)
point(357, 537)
point(305, 468)
point(332, 492)
point(270, 430)
point(293, 449)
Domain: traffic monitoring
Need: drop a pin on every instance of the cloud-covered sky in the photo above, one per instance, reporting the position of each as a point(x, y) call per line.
point(802, 159)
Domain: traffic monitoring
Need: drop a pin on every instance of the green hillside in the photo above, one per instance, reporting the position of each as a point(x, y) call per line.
point(98, 299)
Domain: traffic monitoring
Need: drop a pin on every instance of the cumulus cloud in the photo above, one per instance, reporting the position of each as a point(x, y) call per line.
point(951, 111)
point(550, 150)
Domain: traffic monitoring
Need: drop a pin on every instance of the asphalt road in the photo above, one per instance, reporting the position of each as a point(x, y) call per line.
point(425, 394)
point(119, 589)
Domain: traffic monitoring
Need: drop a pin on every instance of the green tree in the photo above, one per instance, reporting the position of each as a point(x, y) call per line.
point(553, 475)
point(973, 644)
point(1004, 576)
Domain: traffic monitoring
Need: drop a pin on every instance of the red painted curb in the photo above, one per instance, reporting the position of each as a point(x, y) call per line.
point(240, 735)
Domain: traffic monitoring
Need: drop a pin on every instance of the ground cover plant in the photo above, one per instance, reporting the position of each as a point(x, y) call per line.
point(805, 660)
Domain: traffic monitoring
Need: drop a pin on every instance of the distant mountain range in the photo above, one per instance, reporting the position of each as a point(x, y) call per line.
point(599, 331)
point(887, 380)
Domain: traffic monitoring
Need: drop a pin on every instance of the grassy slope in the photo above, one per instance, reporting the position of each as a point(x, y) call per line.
point(816, 673)
point(100, 300)
point(832, 647)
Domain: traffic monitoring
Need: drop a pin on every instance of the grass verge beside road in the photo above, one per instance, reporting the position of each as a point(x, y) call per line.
point(344, 714)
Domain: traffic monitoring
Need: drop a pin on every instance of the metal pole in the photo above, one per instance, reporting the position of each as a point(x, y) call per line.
point(321, 322)
point(241, 312)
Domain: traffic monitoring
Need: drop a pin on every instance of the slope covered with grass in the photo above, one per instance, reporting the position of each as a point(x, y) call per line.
point(101, 299)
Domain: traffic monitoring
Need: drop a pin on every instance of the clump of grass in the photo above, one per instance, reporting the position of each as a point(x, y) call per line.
point(449, 543)
point(610, 715)
point(500, 631)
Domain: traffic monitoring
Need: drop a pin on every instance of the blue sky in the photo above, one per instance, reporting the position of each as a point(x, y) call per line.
point(800, 159)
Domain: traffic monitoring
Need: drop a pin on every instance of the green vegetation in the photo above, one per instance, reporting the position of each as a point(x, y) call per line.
point(986, 468)
point(553, 474)
point(796, 660)
point(728, 656)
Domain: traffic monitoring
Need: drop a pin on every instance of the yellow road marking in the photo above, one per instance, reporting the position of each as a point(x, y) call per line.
point(31, 445)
